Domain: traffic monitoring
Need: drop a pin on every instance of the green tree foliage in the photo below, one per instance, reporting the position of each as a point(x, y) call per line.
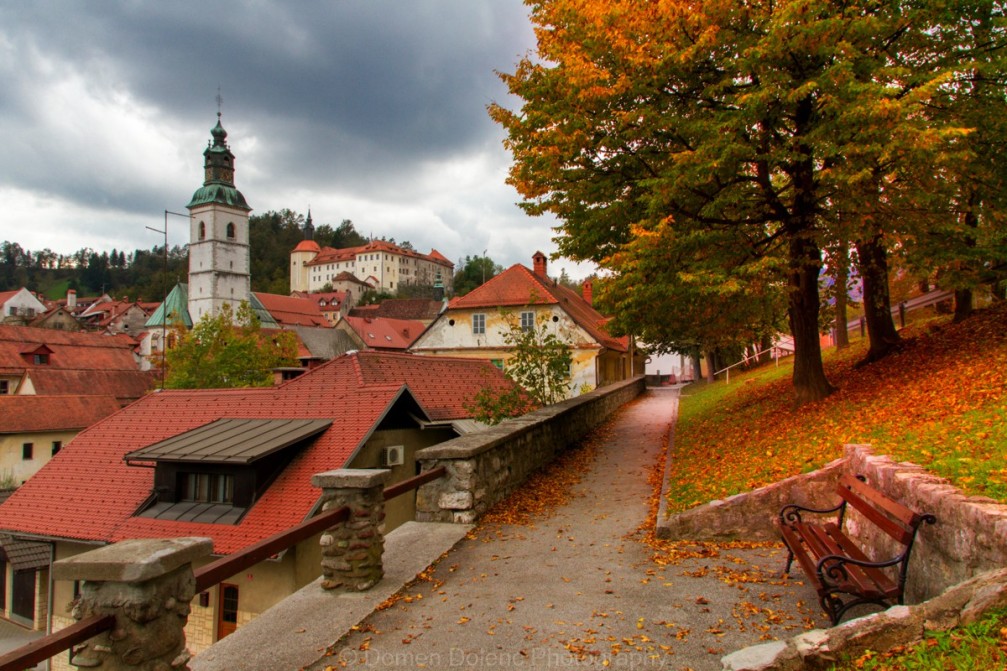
point(271, 237)
point(472, 272)
point(492, 407)
point(733, 134)
point(228, 350)
point(344, 235)
point(539, 361)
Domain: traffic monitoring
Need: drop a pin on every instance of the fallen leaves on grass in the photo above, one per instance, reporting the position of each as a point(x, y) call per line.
point(939, 401)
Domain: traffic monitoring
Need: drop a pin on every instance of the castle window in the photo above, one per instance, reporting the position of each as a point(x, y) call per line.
point(202, 231)
point(230, 231)
point(478, 324)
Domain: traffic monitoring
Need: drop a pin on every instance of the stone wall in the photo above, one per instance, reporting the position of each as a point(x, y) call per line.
point(970, 536)
point(750, 515)
point(899, 625)
point(486, 466)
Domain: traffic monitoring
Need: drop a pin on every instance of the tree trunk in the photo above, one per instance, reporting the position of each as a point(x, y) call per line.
point(810, 383)
point(999, 290)
point(711, 365)
point(963, 305)
point(963, 296)
point(697, 366)
point(877, 301)
point(842, 265)
point(765, 343)
point(805, 264)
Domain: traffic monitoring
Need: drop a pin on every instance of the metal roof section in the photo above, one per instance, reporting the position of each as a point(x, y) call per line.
point(190, 511)
point(177, 305)
point(231, 441)
point(266, 320)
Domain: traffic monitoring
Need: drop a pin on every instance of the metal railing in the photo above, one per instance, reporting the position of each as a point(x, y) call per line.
point(206, 576)
point(775, 349)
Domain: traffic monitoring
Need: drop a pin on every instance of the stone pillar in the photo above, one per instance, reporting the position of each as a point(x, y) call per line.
point(351, 550)
point(147, 585)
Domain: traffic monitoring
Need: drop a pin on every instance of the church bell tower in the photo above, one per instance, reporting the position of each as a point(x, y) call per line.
point(218, 234)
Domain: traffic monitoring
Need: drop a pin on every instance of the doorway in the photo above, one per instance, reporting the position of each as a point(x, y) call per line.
point(227, 610)
point(23, 597)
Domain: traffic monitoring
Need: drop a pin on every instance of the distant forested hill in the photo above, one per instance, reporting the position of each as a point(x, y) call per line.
point(143, 275)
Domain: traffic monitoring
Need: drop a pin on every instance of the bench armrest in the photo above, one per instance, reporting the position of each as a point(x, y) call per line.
point(792, 512)
point(832, 568)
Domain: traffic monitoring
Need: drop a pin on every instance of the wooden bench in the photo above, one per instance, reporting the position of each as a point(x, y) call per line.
point(839, 570)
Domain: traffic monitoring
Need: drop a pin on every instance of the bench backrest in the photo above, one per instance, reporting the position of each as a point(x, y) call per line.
point(890, 516)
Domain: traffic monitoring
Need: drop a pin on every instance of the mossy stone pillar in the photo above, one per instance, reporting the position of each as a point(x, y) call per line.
point(147, 586)
point(351, 550)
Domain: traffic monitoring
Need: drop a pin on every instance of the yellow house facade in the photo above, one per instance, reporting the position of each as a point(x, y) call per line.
point(475, 325)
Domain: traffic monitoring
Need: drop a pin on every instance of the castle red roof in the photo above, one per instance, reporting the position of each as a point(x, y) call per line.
point(335, 255)
point(307, 246)
point(355, 390)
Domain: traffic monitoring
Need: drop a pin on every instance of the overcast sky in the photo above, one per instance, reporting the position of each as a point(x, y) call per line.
point(369, 110)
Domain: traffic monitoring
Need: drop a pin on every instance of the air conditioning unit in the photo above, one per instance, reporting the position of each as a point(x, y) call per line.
point(393, 455)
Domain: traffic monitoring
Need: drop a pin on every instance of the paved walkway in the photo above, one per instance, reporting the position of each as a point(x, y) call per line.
point(13, 636)
point(580, 588)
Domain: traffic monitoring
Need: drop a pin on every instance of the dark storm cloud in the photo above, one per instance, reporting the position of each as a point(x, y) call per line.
point(333, 89)
point(373, 110)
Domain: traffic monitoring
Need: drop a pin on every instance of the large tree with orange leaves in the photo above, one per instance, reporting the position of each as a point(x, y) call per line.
point(675, 137)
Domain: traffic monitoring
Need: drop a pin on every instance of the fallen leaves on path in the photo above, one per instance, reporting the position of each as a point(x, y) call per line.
point(545, 490)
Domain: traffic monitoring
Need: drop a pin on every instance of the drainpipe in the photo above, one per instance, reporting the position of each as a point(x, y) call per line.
point(48, 617)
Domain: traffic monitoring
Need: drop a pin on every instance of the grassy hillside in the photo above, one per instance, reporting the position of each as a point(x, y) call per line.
point(941, 402)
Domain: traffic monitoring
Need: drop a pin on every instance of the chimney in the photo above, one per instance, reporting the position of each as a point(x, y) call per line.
point(587, 290)
point(71, 299)
point(539, 261)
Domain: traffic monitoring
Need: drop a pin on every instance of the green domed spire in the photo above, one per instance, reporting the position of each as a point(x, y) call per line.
point(218, 164)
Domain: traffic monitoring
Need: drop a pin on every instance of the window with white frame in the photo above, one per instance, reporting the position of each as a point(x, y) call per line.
point(527, 321)
point(478, 324)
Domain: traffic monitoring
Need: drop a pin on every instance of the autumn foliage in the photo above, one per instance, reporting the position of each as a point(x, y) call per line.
point(940, 401)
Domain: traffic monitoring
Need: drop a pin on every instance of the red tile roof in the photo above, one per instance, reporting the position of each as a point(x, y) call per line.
point(418, 309)
point(356, 390)
point(80, 363)
point(307, 246)
point(292, 310)
point(334, 255)
point(382, 333)
point(32, 414)
point(519, 286)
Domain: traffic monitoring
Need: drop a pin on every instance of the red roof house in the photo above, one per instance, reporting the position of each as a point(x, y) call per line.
point(342, 414)
point(381, 333)
point(473, 325)
point(49, 362)
point(293, 310)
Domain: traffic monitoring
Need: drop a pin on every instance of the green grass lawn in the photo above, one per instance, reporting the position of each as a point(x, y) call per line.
point(940, 401)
